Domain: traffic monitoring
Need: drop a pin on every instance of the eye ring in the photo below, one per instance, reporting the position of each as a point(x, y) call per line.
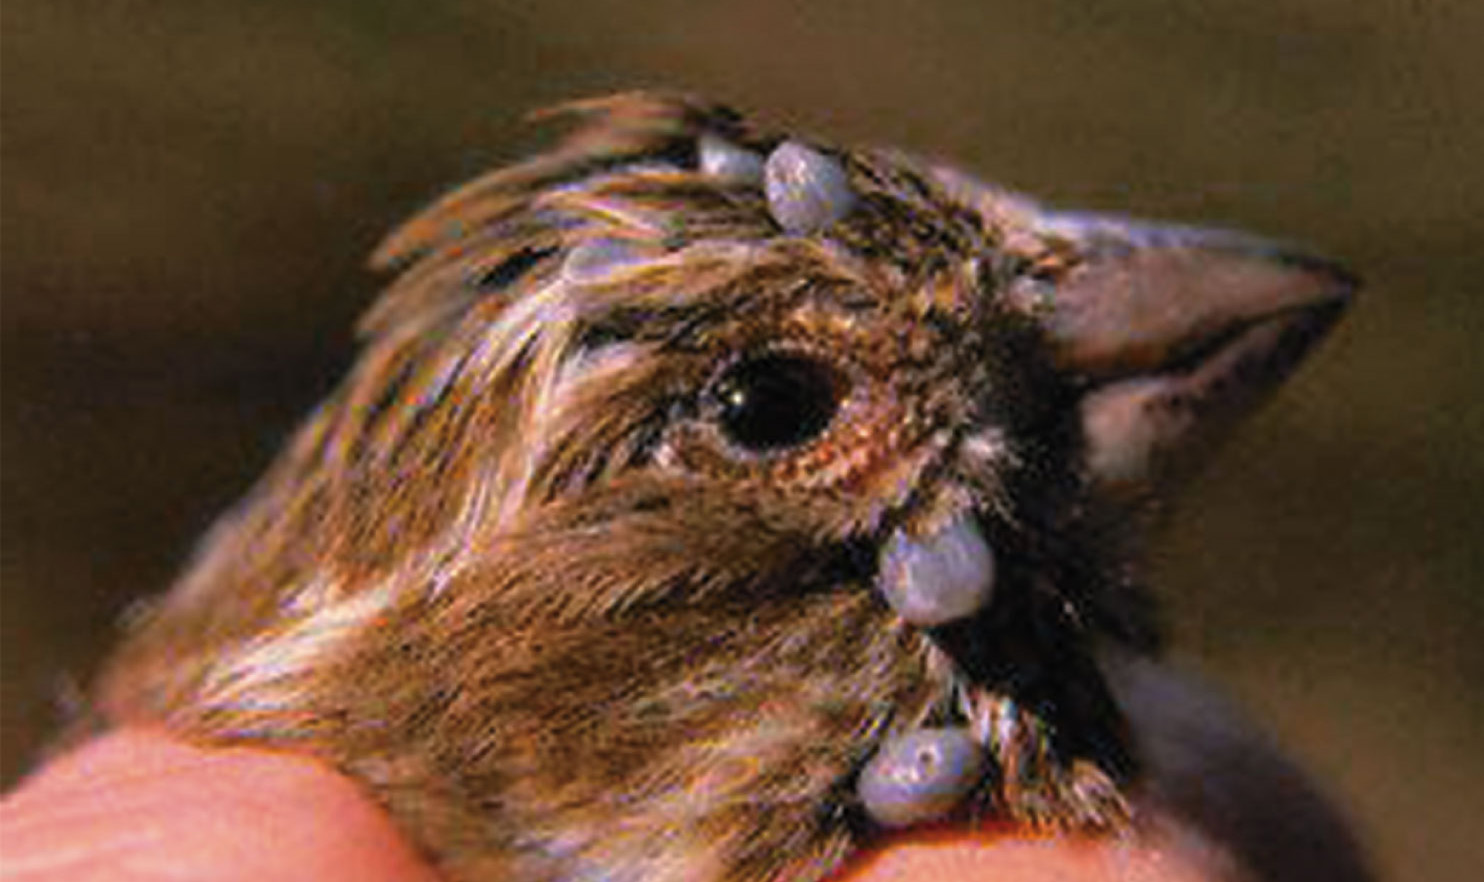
point(776, 400)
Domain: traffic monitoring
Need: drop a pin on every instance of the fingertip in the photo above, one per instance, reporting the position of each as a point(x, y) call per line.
point(137, 805)
point(1003, 856)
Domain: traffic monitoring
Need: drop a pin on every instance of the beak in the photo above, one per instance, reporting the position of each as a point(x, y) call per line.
point(1173, 334)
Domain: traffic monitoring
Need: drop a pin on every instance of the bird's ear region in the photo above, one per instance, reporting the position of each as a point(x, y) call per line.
point(1171, 334)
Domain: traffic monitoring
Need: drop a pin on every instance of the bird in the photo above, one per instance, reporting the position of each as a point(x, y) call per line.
point(708, 501)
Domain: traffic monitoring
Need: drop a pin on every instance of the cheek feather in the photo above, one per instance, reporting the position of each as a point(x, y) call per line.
point(273, 672)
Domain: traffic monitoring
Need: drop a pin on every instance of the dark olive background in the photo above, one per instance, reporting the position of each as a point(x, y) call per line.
point(190, 188)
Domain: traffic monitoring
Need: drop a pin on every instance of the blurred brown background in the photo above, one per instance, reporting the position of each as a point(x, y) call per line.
point(190, 188)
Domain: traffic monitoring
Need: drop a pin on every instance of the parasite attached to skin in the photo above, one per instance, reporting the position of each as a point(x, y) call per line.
point(723, 159)
point(920, 776)
point(937, 579)
point(806, 189)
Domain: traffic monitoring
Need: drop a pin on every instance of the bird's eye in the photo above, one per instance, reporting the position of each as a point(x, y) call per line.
point(776, 401)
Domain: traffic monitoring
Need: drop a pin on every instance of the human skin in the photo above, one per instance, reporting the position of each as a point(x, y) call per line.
point(139, 806)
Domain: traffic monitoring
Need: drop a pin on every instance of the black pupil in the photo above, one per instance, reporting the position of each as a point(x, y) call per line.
point(776, 401)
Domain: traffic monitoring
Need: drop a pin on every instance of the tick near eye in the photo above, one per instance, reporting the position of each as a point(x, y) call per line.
point(777, 401)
